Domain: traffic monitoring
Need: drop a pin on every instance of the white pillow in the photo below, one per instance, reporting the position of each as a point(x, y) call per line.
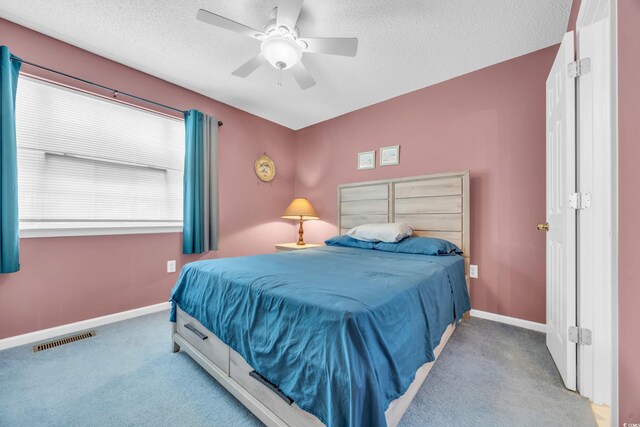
point(386, 232)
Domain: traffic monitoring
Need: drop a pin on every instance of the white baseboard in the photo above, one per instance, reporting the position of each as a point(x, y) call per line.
point(72, 328)
point(527, 324)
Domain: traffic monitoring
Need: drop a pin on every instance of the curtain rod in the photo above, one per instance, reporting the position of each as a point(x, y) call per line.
point(115, 91)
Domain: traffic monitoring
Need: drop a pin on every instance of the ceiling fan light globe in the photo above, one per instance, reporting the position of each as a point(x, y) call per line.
point(280, 50)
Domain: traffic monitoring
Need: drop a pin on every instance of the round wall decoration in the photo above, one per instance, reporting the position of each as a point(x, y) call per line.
point(265, 169)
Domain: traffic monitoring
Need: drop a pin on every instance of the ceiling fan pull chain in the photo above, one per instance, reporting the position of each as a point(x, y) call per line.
point(279, 76)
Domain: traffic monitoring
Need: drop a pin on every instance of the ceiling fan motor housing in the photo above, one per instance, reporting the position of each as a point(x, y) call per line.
point(272, 25)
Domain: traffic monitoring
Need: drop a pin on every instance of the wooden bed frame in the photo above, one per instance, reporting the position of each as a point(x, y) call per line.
point(433, 205)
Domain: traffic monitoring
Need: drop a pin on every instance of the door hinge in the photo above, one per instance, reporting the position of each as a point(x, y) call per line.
point(580, 67)
point(580, 200)
point(580, 336)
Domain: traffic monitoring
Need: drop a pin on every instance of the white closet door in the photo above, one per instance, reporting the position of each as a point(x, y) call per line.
point(561, 218)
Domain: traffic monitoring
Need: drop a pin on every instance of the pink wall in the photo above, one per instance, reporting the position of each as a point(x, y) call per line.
point(491, 122)
point(629, 206)
point(64, 280)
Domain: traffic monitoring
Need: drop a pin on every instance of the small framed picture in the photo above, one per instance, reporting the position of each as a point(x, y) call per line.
point(390, 155)
point(367, 160)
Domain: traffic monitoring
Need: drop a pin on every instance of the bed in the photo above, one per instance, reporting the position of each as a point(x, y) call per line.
point(333, 336)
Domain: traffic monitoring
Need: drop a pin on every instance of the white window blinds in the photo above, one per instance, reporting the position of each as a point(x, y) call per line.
point(86, 161)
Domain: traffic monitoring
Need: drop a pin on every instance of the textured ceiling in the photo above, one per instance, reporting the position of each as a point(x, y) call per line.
point(404, 45)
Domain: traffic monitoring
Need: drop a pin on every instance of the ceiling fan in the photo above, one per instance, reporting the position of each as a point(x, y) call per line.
point(281, 44)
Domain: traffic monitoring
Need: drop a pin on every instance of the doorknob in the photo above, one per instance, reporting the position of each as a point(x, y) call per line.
point(544, 226)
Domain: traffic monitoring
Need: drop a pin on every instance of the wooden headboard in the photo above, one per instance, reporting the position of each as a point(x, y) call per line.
point(433, 205)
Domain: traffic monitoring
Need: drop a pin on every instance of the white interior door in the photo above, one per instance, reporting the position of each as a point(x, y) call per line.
point(595, 230)
point(561, 218)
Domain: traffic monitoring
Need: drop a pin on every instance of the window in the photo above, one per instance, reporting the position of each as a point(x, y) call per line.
point(89, 165)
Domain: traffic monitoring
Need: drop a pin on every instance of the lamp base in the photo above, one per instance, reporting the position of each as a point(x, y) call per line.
point(300, 234)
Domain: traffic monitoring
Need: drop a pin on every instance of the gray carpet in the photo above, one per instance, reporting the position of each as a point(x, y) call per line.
point(489, 374)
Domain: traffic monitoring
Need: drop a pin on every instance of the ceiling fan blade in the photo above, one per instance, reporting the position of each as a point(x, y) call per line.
point(288, 12)
point(302, 76)
point(331, 45)
point(250, 66)
point(228, 24)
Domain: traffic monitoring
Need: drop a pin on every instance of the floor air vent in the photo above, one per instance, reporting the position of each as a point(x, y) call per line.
point(63, 341)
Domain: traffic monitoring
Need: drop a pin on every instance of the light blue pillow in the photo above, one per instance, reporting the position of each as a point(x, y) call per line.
point(350, 242)
point(420, 245)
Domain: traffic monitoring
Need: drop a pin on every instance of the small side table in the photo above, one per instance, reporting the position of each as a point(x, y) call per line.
point(282, 247)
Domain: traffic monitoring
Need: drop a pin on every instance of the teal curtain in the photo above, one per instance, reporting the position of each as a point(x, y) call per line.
point(200, 210)
point(9, 240)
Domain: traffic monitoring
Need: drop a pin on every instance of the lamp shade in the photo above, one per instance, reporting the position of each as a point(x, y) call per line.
point(300, 209)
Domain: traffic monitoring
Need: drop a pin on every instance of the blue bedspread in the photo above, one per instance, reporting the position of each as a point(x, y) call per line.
point(341, 331)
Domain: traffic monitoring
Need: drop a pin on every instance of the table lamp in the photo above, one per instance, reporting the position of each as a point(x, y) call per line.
point(300, 209)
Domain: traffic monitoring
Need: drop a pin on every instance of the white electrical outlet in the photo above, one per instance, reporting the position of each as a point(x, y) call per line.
point(473, 271)
point(171, 266)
